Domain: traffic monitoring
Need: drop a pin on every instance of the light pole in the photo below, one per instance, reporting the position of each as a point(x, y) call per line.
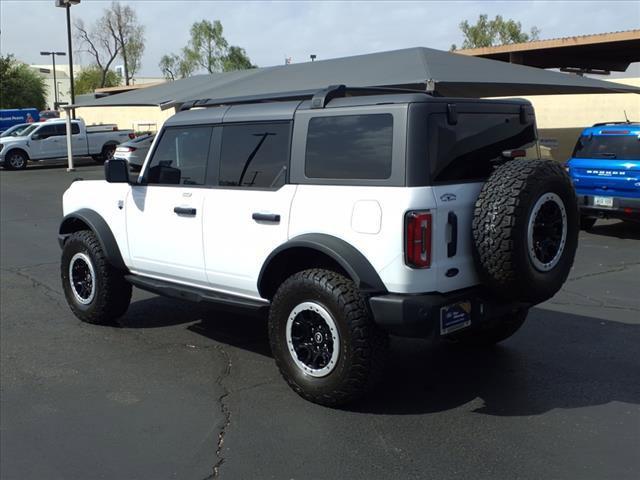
point(55, 81)
point(67, 4)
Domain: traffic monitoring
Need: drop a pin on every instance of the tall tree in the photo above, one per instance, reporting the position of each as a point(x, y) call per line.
point(174, 66)
point(128, 36)
point(207, 50)
point(236, 59)
point(20, 85)
point(90, 78)
point(208, 46)
point(488, 33)
point(100, 42)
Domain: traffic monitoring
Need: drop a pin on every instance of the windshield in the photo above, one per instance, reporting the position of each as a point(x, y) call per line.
point(29, 129)
point(18, 130)
point(146, 138)
point(614, 147)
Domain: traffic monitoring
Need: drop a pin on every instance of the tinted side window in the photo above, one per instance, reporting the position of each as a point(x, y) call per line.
point(467, 150)
point(181, 156)
point(61, 129)
point(255, 155)
point(47, 131)
point(350, 147)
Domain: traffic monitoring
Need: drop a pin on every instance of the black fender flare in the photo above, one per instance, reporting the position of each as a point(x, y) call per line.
point(99, 227)
point(354, 263)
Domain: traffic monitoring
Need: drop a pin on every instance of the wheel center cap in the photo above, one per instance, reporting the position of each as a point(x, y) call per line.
point(318, 337)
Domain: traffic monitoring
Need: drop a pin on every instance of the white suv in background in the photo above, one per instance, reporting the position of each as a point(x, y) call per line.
point(348, 216)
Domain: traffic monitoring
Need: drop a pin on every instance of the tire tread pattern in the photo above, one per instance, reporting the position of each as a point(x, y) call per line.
point(113, 292)
point(369, 343)
point(500, 218)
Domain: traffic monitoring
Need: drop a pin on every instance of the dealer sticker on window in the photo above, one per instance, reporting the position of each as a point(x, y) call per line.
point(454, 317)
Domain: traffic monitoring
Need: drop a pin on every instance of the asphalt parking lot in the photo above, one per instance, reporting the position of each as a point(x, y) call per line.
point(185, 391)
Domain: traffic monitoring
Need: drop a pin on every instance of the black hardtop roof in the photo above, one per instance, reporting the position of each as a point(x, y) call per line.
point(285, 110)
point(418, 69)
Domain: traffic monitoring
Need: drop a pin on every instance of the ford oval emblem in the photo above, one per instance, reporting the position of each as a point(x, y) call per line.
point(447, 197)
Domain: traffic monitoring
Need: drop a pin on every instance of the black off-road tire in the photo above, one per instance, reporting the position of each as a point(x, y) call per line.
point(18, 163)
point(587, 223)
point(112, 293)
point(494, 331)
point(363, 347)
point(502, 217)
point(106, 154)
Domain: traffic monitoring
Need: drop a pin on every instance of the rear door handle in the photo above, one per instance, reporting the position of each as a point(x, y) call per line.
point(266, 217)
point(452, 246)
point(191, 212)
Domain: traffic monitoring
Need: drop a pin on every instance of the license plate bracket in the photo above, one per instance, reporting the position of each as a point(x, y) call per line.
point(455, 316)
point(603, 201)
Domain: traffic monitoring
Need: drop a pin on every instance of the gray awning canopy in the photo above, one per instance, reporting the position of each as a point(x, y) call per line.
point(423, 69)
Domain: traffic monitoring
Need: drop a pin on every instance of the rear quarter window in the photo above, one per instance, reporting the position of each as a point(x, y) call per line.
point(468, 149)
point(350, 147)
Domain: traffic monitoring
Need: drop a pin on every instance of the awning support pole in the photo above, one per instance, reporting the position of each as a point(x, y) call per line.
point(69, 147)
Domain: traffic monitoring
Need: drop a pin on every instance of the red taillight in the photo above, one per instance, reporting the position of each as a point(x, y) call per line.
point(132, 136)
point(418, 239)
point(514, 153)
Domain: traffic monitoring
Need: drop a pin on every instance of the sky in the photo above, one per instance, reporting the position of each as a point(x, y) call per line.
point(272, 31)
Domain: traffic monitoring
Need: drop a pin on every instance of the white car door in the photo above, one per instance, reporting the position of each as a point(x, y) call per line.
point(247, 216)
point(164, 214)
point(48, 142)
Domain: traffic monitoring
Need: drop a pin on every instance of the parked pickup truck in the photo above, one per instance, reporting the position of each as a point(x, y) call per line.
point(45, 141)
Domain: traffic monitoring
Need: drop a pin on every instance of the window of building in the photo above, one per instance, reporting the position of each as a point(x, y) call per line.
point(350, 147)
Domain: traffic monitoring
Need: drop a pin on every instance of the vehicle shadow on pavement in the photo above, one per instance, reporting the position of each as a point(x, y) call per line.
point(557, 360)
point(623, 230)
point(525, 375)
point(238, 329)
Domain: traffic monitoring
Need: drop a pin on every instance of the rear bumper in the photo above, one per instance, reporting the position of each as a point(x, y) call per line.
point(623, 208)
point(419, 315)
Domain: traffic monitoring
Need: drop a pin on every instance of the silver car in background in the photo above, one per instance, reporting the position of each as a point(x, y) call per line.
point(135, 151)
point(17, 130)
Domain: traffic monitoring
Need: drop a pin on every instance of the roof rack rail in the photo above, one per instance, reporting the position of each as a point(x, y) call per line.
point(319, 98)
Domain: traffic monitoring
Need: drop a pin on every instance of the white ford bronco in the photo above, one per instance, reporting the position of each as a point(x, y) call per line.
point(349, 216)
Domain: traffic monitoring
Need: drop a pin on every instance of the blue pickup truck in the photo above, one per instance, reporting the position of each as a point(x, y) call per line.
point(605, 170)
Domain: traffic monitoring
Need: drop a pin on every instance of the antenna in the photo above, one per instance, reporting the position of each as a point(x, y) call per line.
point(625, 116)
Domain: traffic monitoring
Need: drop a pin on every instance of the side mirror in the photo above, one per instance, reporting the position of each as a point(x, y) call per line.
point(116, 170)
point(36, 136)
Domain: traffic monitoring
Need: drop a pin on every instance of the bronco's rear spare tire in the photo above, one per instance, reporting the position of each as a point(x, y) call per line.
point(525, 230)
